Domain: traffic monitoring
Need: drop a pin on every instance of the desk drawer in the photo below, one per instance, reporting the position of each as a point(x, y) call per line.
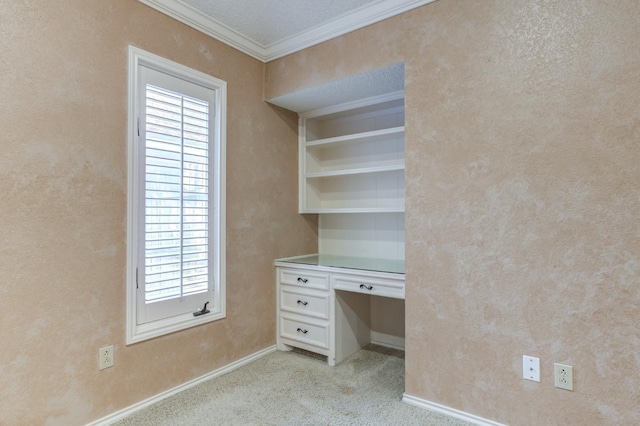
point(303, 278)
point(368, 285)
point(298, 301)
point(312, 333)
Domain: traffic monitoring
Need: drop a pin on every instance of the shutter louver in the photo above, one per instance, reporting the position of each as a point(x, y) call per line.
point(176, 195)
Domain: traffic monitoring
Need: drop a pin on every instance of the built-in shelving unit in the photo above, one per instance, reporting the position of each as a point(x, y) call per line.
point(351, 173)
point(352, 157)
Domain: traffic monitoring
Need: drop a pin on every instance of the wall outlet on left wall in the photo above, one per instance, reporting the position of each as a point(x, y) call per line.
point(105, 357)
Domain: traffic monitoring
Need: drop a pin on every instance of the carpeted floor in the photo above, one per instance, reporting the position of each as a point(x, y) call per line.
point(294, 388)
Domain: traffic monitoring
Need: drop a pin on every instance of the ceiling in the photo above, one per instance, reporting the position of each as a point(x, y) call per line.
point(270, 29)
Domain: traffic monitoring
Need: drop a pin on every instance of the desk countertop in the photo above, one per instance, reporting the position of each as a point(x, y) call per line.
point(393, 266)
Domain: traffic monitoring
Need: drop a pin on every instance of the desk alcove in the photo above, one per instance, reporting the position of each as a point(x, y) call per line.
point(351, 174)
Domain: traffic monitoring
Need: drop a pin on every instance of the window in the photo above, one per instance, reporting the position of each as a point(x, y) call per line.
point(176, 199)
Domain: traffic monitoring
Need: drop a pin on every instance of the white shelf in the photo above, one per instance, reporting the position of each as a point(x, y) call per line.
point(347, 172)
point(371, 136)
point(353, 210)
point(352, 158)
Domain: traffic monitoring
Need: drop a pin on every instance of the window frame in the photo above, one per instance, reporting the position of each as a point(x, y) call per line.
point(135, 184)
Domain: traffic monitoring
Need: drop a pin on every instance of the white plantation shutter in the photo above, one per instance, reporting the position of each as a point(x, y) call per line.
point(176, 195)
point(176, 210)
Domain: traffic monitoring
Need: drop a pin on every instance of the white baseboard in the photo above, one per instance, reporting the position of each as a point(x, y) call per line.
point(451, 412)
point(387, 340)
point(119, 415)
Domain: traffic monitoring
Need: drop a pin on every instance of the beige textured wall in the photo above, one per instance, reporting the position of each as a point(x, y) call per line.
point(523, 199)
point(63, 112)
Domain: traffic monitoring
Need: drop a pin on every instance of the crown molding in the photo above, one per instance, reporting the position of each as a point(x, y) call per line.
point(209, 26)
point(351, 21)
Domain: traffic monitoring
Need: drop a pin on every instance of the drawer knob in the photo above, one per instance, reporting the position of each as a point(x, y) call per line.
point(303, 331)
point(366, 287)
point(302, 280)
point(300, 302)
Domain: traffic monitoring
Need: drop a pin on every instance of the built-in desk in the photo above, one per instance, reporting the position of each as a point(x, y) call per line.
point(324, 301)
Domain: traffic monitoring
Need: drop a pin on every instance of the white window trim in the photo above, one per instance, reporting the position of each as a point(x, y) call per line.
point(135, 332)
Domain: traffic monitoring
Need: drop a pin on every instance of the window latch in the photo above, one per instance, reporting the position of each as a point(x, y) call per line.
point(201, 311)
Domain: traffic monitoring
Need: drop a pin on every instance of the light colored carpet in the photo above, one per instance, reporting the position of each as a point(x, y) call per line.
point(294, 388)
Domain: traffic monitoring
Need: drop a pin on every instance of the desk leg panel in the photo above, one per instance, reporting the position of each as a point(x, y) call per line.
point(352, 323)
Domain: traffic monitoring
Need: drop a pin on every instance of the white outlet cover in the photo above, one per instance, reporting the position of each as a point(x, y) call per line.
point(531, 368)
point(563, 376)
point(105, 357)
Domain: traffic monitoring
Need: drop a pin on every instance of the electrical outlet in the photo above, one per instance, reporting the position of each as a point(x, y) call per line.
point(563, 376)
point(531, 368)
point(105, 357)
